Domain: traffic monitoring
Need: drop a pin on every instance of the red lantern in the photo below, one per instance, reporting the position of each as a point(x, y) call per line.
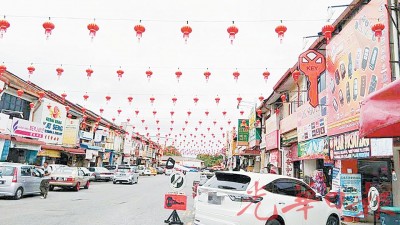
point(3, 69)
point(178, 74)
point(69, 116)
point(101, 110)
point(31, 105)
point(172, 122)
point(83, 110)
point(217, 99)
point(120, 73)
point(89, 72)
point(232, 30)
point(128, 120)
point(207, 74)
point(146, 128)
point(85, 97)
point(31, 69)
point(195, 99)
point(277, 111)
point(229, 122)
point(98, 119)
point(130, 99)
point(59, 71)
point(208, 128)
point(214, 122)
point(157, 121)
point(283, 98)
point(236, 75)
point(186, 30)
point(327, 30)
point(137, 112)
point(183, 129)
point(108, 98)
point(172, 113)
point(63, 95)
point(49, 106)
point(67, 108)
point(148, 74)
point(259, 112)
point(206, 112)
point(20, 93)
point(296, 75)
point(119, 111)
point(4, 24)
point(239, 99)
point(377, 29)
point(261, 98)
point(48, 27)
point(93, 28)
point(266, 75)
point(113, 119)
point(241, 112)
point(139, 29)
point(143, 121)
point(152, 99)
point(154, 113)
point(186, 122)
point(188, 112)
point(224, 113)
point(280, 30)
point(174, 99)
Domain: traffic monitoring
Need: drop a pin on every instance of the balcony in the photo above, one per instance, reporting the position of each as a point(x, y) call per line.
point(288, 123)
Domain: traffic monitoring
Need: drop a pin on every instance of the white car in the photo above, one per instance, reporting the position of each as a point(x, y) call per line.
point(233, 198)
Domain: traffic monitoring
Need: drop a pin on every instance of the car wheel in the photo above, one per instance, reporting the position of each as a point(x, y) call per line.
point(131, 183)
point(332, 220)
point(87, 185)
point(273, 222)
point(108, 180)
point(114, 182)
point(51, 188)
point(18, 193)
point(77, 186)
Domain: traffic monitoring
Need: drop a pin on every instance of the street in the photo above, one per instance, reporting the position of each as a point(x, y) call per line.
point(102, 203)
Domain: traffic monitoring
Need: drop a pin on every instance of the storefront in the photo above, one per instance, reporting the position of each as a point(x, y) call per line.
point(23, 150)
point(94, 154)
point(73, 157)
point(273, 154)
point(50, 154)
point(5, 141)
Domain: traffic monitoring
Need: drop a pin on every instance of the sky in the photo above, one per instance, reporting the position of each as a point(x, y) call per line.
point(162, 49)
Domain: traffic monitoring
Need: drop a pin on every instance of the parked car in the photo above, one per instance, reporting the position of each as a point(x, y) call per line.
point(90, 174)
point(111, 168)
point(141, 169)
point(168, 172)
point(17, 180)
point(101, 173)
point(69, 177)
point(260, 199)
point(53, 167)
point(160, 170)
point(126, 174)
point(150, 171)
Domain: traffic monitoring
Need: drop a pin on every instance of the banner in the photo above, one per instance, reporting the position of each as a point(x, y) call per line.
point(350, 185)
point(313, 149)
point(243, 132)
point(349, 145)
point(381, 147)
point(70, 134)
point(335, 179)
point(357, 65)
point(26, 128)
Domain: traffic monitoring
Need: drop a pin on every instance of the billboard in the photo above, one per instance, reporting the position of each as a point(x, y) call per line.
point(313, 149)
point(243, 132)
point(357, 65)
point(70, 134)
point(52, 115)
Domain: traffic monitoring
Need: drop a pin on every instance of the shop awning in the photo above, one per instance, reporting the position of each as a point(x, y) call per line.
point(90, 147)
point(50, 153)
point(250, 152)
point(109, 150)
point(5, 136)
point(27, 141)
point(75, 151)
point(380, 114)
point(52, 147)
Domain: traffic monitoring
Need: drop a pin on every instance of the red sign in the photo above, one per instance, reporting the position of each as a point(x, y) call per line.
point(312, 64)
point(175, 201)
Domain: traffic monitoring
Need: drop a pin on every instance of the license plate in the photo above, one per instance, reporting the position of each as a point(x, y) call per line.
point(1, 181)
point(214, 199)
point(60, 179)
point(122, 174)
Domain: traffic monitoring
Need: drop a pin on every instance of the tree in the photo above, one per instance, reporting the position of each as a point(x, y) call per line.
point(171, 151)
point(210, 160)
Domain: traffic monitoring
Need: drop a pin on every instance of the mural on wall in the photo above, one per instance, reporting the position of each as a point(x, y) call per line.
point(357, 65)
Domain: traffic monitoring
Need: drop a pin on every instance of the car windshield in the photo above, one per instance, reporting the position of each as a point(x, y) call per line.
point(104, 170)
point(64, 170)
point(229, 181)
point(110, 167)
point(6, 171)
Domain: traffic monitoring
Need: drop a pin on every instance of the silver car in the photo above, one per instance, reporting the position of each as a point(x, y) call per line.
point(17, 180)
point(69, 177)
point(101, 173)
point(126, 174)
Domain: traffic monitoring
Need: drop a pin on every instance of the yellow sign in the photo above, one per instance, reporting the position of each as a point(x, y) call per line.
point(70, 134)
point(50, 153)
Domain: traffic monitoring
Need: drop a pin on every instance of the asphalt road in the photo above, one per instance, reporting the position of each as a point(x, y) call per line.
point(103, 203)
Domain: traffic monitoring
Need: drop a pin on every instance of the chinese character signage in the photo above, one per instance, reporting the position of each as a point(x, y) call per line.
point(71, 130)
point(357, 65)
point(53, 117)
point(243, 132)
point(350, 185)
point(27, 128)
point(313, 149)
point(349, 145)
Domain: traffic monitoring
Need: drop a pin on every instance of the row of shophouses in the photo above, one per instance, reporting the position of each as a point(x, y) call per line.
point(38, 125)
point(300, 140)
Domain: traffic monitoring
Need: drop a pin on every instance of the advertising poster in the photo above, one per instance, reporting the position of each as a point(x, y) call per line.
point(349, 145)
point(243, 132)
point(357, 65)
point(313, 149)
point(350, 185)
point(71, 130)
point(53, 118)
point(27, 128)
point(335, 179)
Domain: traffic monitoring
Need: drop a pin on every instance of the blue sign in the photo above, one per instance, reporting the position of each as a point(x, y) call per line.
point(350, 185)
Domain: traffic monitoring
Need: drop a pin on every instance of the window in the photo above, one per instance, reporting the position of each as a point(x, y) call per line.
point(80, 173)
point(13, 103)
point(229, 181)
point(322, 82)
point(25, 171)
point(6, 170)
point(303, 191)
point(282, 187)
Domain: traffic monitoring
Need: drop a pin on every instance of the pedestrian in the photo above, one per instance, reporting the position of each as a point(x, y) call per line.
point(44, 184)
point(46, 169)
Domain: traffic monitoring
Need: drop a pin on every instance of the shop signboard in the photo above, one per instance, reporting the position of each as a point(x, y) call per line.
point(313, 149)
point(349, 146)
point(312, 122)
point(98, 135)
point(271, 140)
point(52, 115)
point(243, 132)
point(86, 135)
point(5, 123)
point(335, 179)
point(357, 65)
point(350, 185)
point(70, 134)
point(252, 128)
point(381, 147)
point(288, 160)
point(27, 128)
